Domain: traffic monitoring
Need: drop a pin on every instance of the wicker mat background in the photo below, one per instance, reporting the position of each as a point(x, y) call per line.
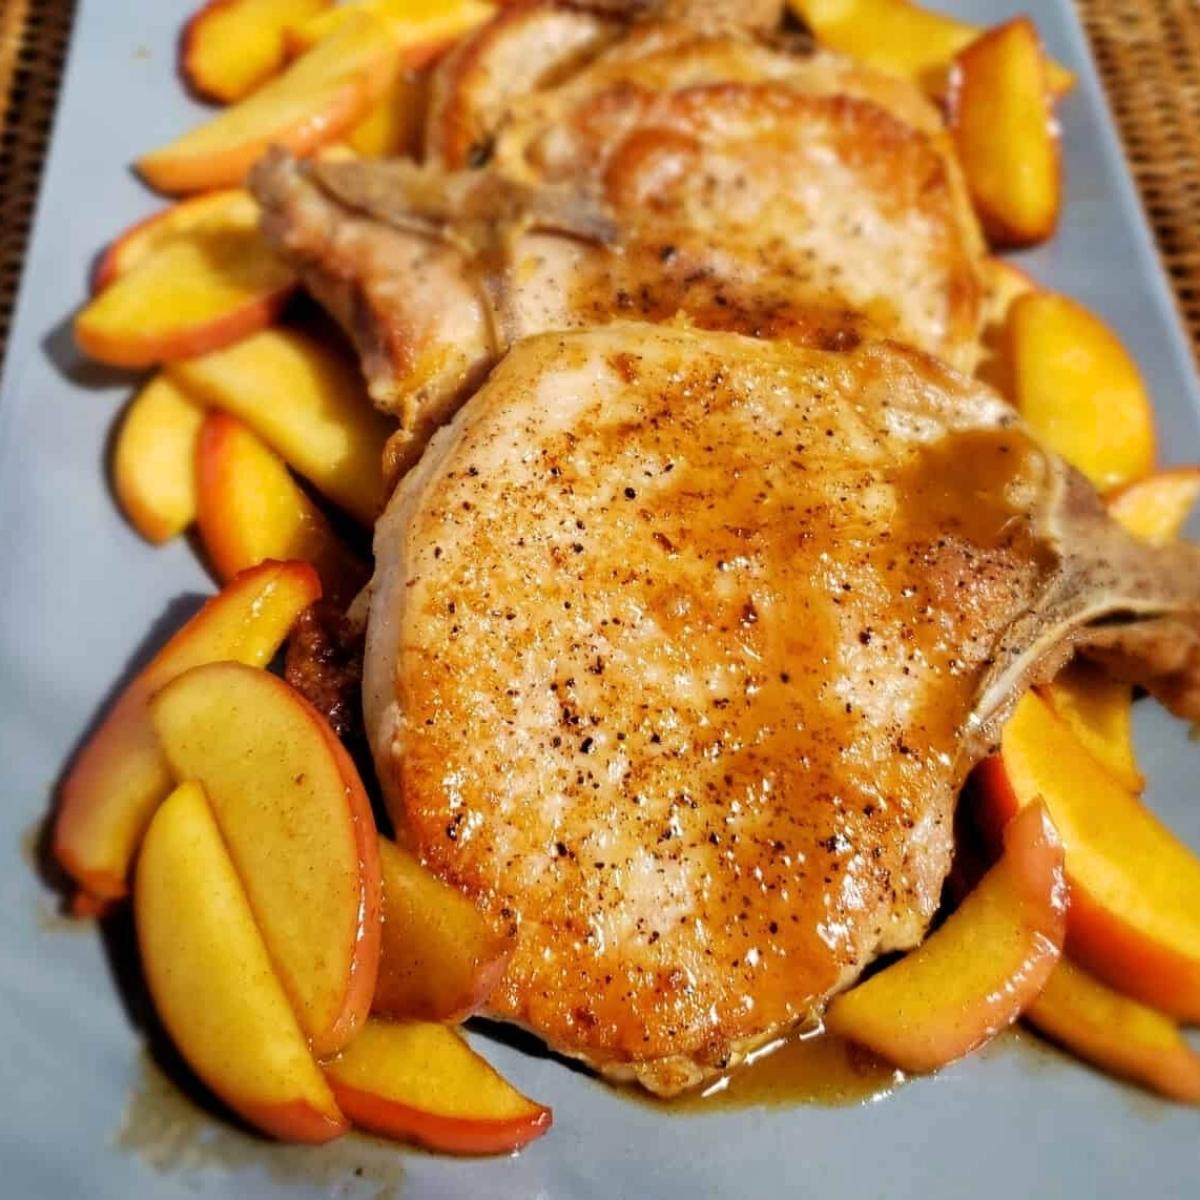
point(1148, 52)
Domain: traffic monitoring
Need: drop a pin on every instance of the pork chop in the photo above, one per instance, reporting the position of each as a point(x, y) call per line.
point(681, 645)
point(641, 172)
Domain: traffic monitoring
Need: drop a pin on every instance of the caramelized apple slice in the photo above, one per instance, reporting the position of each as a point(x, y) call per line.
point(422, 1083)
point(1155, 508)
point(251, 509)
point(392, 129)
point(423, 28)
point(153, 460)
point(901, 38)
point(322, 94)
point(230, 47)
point(1077, 386)
point(1098, 710)
point(308, 403)
point(1003, 124)
point(184, 284)
point(1135, 888)
point(212, 982)
point(1115, 1033)
point(120, 776)
point(144, 237)
point(292, 811)
point(439, 959)
point(974, 975)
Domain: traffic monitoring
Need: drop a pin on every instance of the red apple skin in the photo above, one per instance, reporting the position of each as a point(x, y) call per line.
point(363, 959)
point(976, 973)
point(102, 813)
point(447, 1135)
point(110, 263)
point(134, 353)
point(191, 60)
point(294, 1122)
point(1097, 938)
point(134, 243)
point(419, 1081)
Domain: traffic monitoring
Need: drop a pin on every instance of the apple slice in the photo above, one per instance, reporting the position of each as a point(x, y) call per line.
point(1097, 709)
point(153, 460)
point(421, 1082)
point(322, 94)
point(140, 240)
point(212, 982)
point(1115, 1033)
point(120, 776)
point(298, 825)
point(1003, 283)
point(424, 28)
point(1135, 888)
point(183, 284)
point(392, 129)
point(308, 402)
point(1156, 507)
point(250, 509)
point(230, 47)
point(439, 958)
point(973, 976)
point(1077, 386)
point(901, 38)
point(1002, 120)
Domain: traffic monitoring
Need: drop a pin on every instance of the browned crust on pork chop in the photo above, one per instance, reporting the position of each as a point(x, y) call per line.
point(746, 188)
point(671, 648)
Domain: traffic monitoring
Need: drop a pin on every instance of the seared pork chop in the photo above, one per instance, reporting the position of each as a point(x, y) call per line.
point(644, 172)
point(681, 645)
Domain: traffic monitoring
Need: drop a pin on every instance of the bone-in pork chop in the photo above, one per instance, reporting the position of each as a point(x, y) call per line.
point(677, 171)
point(680, 647)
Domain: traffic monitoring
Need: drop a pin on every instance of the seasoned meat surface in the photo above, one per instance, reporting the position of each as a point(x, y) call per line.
point(680, 647)
point(659, 171)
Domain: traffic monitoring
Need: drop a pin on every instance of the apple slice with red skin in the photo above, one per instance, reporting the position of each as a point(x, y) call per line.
point(231, 47)
point(249, 509)
point(393, 128)
point(188, 281)
point(293, 813)
point(1135, 888)
point(902, 38)
point(314, 101)
point(1117, 1034)
point(420, 1082)
point(120, 776)
point(439, 957)
point(153, 460)
point(135, 244)
point(975, 974)
point(422, 28)
point(211, 978)
point(308, 402)
point(1155, 508)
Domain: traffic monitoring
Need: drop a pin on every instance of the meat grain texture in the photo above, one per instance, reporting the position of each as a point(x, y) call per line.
point(581, 170)
point(681, 645)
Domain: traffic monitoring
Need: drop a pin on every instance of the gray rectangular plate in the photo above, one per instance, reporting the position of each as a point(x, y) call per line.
point(82, 1116)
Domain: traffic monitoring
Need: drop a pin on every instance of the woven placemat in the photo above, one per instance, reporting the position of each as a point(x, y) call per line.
point(33, 45)
point(1148, 52)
